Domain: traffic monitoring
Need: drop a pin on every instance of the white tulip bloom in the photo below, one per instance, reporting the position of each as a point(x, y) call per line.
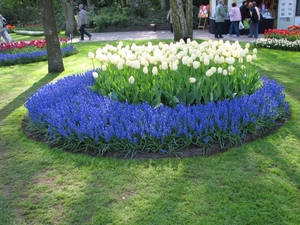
point(120, 66)
point(225, 73)
point(220, 70)
point(255, 51)
point(103, 67)
point(206, 61)
point(192, 80)
point(95, 75)
point(174, 66)
point(131, 79)
point(154, 71)
point(91, 55)
point(164, 66)
point(247, 45)
point(185, 60)
point(230, 69)
point(249, 58)
point(145, 70)
point(213, 69)
point(209, 73)
point(254, 57)
point(196, 64)
point(241, 60)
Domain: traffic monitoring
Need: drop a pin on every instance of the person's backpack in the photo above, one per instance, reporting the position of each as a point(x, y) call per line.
point(4, 22)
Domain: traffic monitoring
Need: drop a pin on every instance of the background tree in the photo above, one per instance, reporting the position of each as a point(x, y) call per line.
point(71, 24)
point(182, 19)
point(55, 62)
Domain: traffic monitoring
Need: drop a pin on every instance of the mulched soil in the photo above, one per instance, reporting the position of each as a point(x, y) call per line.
point(185, 153)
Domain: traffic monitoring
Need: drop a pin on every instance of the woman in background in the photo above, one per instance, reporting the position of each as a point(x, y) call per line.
point(255, 19)
point(235, 18)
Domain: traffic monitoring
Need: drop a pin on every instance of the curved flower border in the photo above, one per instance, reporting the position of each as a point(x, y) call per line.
point(76, 117)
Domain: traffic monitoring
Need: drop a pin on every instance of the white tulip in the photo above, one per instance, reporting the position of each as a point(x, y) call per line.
point(145, 70)
point(220, 70)
point(95, 75)
point(206, 61)
point(154, 71)
point(225, 73)
point(103, 67)
point(196, 64)
point(192, 80)
point(249, 58)
point(131, 79)
point(91, 55)
point(164, 66)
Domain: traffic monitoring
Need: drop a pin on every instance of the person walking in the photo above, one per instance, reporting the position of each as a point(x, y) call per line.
point(245, 16)
point(82, 21)
point(255, 19)
point(235, 18)
point(169, 17)
point(219, 19)
point(3, 30)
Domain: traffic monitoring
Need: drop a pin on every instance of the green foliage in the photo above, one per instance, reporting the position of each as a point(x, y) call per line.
point(171, 74)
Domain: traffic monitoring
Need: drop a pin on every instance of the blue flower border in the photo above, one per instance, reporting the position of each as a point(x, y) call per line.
point(70, 112)
point(30, 57)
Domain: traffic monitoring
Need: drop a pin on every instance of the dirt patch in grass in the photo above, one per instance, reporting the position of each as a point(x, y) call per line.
point(191, 151)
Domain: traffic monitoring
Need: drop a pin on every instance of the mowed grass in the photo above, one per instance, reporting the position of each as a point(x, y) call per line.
point(256, 183)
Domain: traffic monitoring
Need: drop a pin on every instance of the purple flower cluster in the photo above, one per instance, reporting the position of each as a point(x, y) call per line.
point(70, 110)
point(29, 57)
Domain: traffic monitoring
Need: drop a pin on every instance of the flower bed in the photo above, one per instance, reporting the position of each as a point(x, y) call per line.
point(76, 117)
point(28, 52)
point(280, 39)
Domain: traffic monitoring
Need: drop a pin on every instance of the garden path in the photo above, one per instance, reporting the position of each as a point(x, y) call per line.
point(160, 34)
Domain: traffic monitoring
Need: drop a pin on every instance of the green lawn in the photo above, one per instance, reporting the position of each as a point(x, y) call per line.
point(256, 183)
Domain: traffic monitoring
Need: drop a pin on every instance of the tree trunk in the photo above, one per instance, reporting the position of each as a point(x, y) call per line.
point(189, 18)
point(55, 62)
point(70, 18)
point(164, 4)
point(182, 20)
point(89, 3)
point(176, 23)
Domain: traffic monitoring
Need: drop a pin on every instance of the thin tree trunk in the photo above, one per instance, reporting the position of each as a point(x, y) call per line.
point(89, 3)
point(175, 18)
point(182, 20)
point(183, 24)
point(189, 18)
point(70, 18)
point(55, 62)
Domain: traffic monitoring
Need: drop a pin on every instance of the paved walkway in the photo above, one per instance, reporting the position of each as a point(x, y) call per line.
point(159, 34)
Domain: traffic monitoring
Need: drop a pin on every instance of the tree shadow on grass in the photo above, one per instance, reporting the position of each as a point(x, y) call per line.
point(22, 98)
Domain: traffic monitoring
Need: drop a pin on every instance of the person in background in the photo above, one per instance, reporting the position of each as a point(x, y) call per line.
point(3, 29)
point(82, 21)
point(245, 16)
point(235, 18)
point(255, 18)
point(169, 17)
point(219, 19)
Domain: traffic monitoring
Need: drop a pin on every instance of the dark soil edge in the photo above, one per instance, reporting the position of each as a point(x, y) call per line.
point(185, 153)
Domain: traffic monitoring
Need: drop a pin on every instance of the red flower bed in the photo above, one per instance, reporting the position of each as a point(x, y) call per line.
point(40, 44)
point(292, 33)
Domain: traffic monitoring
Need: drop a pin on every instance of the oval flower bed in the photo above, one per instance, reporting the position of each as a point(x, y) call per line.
point(75, 117)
